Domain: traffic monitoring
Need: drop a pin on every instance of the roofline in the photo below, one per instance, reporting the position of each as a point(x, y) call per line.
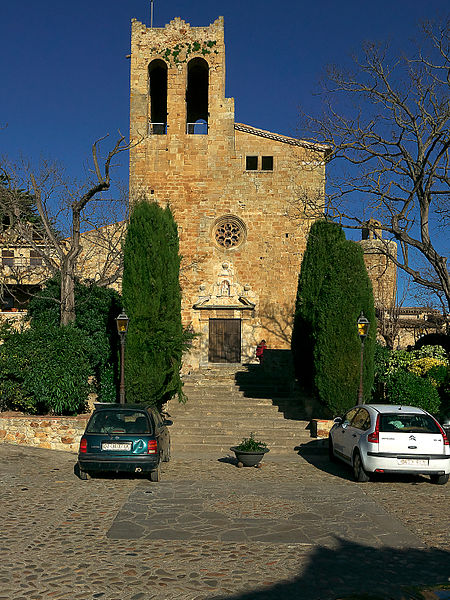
point(282, 138)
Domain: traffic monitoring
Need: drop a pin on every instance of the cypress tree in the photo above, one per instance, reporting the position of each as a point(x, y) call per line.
point(323, 236)
point(333, 289)
point(152, 300)
point(346, 291)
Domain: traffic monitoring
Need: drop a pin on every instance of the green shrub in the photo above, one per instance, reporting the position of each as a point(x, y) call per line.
point(45, 370)
point(409, 389)
point(382, 358)
point(107, 389)
point(437, 352)
point(96, 309)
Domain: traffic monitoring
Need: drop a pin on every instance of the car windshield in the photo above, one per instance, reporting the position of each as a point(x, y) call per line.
point(404, 423)
point(118, 421)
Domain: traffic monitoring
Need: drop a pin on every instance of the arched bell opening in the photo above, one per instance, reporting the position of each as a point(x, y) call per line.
point(157, 74)
point(197, 96)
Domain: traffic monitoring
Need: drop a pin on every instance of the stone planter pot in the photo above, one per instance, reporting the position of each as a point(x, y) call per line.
point(249, 459)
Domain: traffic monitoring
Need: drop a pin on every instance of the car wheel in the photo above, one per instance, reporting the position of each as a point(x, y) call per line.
point(167, 454)
point(439, 479)
point(331, 450)
point(83, 475)
point(359, 473)
point(155, 475)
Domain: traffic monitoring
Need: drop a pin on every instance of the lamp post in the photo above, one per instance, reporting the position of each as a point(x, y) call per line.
point(122, 327)
point(363, 330)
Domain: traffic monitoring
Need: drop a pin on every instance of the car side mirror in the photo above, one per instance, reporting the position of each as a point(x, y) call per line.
point(167, 422)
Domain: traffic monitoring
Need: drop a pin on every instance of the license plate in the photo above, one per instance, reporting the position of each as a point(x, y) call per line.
point(413, 462)
point(116, 446)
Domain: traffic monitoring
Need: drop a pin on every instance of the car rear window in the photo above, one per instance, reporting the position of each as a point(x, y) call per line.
point(115, 421)
point(404, 423)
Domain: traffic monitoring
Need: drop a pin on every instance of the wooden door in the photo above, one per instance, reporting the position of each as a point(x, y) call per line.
point(224, 341)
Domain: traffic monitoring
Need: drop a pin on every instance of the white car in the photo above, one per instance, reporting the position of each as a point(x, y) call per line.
point(386, 438)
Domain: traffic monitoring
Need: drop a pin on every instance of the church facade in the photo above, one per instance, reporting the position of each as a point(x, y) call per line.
point(234, 190)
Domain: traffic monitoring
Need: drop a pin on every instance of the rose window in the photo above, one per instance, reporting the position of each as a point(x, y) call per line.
point(229, 232)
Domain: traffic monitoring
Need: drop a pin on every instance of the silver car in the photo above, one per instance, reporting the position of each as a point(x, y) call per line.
point(379, 438)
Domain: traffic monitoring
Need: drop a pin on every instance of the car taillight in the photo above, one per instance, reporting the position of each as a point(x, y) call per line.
point(152, 447)
point(444, 435)
point(374, 437)
point(83, 445)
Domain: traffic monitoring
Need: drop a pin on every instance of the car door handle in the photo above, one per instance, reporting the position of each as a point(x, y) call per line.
point(354, 435)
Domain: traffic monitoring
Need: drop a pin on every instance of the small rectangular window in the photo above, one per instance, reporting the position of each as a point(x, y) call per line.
point(267, 163)
point(8, 258)
point(251, 163)
point(35, 258)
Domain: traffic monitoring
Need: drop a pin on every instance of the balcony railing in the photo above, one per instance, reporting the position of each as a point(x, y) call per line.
point(197, 128)
point(157, 128)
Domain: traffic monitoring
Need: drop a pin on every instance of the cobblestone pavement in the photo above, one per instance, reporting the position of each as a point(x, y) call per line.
point(297, 528)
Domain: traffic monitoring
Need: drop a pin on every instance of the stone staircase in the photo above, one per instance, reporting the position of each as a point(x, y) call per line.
point(226, 404)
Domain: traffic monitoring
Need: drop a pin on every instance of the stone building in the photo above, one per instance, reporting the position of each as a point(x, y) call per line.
point(233, 190)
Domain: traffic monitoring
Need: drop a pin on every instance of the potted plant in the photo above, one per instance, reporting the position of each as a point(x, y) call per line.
point(250, 452)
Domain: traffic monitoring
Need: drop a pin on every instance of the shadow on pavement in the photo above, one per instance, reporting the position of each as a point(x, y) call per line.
point(360, 572)
point(318, 457)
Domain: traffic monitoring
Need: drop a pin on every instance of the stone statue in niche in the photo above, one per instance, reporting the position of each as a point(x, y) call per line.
point(225, 288)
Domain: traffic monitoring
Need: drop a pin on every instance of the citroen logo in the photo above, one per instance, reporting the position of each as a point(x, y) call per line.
point(412, 438)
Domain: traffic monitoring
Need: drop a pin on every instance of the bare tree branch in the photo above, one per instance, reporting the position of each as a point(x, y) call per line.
point(389, 125)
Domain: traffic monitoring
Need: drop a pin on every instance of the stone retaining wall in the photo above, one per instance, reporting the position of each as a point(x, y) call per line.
point(55, 433)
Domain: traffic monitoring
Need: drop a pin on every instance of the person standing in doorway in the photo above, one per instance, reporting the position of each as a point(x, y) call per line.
point(260, 351)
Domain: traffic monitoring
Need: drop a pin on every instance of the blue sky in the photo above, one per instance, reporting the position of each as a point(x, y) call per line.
point(65, 76)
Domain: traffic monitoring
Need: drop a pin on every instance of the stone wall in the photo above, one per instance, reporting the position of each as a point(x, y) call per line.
point(55, 433)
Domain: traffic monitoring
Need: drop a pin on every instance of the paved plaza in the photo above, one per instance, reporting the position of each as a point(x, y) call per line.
point(297, 528)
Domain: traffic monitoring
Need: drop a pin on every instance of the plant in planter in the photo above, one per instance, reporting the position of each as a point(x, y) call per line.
point(250, 452)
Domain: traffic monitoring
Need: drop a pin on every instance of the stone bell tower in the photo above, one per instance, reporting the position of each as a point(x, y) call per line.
point(232, 189)
point(178, 94)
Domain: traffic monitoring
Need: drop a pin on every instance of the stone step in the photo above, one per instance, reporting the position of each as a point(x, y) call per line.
point(226, 404)
point(226, 397)
point(240, 432)
point(263, 414)
point(180, 448)
point(208, 421)
point(223, 403)
point(228, 440)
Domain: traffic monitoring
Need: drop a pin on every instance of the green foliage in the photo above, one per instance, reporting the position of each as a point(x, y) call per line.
point(96, 309)
point(382, 357)
point(399, 360)
point(45, 370)
point(173, 55)
point(107, 389)
point(437, 352)
point(418, 378)
point(333, 290)
point(315, 265)
point(152, 300)
point(423, 366)
point(404, 387)
point(250, 444)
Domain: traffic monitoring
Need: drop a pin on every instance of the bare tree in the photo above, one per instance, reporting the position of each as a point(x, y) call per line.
point(61, 253)
point(387, 125)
